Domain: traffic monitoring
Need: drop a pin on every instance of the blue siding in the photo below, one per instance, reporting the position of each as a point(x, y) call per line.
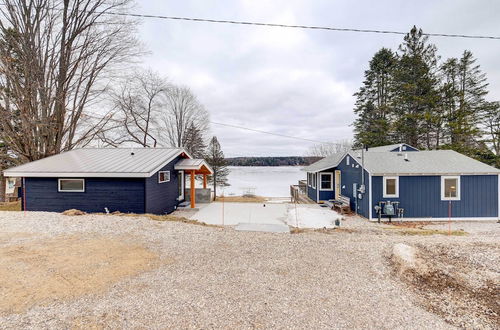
point(117, 194)
point(161, 198)
point(312, 193)
point(351, 174)
point(420, 196)
point(408, 148)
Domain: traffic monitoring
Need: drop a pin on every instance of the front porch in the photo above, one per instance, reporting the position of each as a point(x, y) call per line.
point(194, 168)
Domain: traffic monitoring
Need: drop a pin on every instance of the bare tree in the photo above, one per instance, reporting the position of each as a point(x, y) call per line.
point(327, 149)
point(182, 114)
point(56, 59)
point(137, 105)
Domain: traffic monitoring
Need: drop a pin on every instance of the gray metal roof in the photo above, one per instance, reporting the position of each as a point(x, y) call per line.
point(192, 164)
point(423, 162)
point(99, 162)
point(325, 163)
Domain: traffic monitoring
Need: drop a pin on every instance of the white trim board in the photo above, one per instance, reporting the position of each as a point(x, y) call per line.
point(370, 206)
point(395, 219)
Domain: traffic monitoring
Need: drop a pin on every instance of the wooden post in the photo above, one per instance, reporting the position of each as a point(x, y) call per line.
point(204, 181)
point(193, 191)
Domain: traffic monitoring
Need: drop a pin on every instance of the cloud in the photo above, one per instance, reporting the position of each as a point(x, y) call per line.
point(291, 81)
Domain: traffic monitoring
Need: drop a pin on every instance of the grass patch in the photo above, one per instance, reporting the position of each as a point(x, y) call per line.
point(241, 199)
point(10, 206)
point(425, 232)
point(166, 217)
point(295, 230)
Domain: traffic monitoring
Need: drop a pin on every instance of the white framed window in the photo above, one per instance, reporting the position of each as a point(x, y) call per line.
point(71, 185)
point(309, 179)
point(326, 181)
point(347, 161)
point(450, 188)
point(313, 177)
point(391, 187)
point(163, 176)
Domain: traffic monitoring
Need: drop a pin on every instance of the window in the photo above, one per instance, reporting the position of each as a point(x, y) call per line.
point(391, 186)
point(347, 160)
point(309, 179)
point(313, 176)
point(326, 181)
point(71, 185)
point(450, 188)
point(163, 176)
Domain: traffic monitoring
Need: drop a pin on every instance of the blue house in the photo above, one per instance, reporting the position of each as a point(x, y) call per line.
point(138, 180)
point(426, 185)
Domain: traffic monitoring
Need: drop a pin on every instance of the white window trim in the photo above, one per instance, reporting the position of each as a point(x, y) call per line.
point(309, 179)
point(314, 178)
point(321, 180)
point(385, 194)
point(59, 185)
point(167, 175)
point(457, 177)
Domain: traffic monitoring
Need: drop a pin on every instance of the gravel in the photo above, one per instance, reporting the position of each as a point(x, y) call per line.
point(221, 278)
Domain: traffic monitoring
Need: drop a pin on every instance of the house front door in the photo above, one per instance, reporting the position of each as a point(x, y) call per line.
point(181, 185)
point(338, 184)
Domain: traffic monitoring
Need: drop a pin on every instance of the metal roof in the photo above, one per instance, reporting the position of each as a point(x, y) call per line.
point(192, 164)
point(99, 162)
point(430, 162)
point(325, 163)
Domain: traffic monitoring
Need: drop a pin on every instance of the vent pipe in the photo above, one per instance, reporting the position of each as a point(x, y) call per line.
point(406, 157)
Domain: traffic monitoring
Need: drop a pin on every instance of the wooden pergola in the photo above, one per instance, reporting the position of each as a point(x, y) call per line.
point(194, 167)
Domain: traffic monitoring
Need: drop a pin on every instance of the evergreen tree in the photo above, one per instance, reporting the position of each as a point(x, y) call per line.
point(215, 158)
point(465, 88)
point(415, 89)
point(193, 142)
point(373, 101)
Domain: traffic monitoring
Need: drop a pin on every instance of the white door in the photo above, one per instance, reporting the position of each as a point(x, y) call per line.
point(338, 183)
point(180, 178)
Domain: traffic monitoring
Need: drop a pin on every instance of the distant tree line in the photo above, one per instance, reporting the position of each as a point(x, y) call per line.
point(412, 96)
point(271, 161)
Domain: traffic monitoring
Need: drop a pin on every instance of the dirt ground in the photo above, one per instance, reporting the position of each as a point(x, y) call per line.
point(39, 271)
point(110, 271)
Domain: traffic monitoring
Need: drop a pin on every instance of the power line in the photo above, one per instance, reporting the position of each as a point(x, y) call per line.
point(312, 27)
point(292, 26)
point(271, 133)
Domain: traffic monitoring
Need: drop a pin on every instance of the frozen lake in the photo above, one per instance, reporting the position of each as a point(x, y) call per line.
point(267, 181)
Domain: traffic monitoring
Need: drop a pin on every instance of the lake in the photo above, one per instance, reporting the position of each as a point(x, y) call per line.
point(267, 181)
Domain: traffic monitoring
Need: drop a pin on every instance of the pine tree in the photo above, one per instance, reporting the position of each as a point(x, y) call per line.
point(465, 89)
point(215, 158)
point(373, 101)
point(416, 93)
point(193, 142)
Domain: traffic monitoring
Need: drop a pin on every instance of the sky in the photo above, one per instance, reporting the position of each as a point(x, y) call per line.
point(291, 81)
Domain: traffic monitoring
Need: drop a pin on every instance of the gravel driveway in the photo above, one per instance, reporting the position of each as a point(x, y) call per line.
point(209, 277)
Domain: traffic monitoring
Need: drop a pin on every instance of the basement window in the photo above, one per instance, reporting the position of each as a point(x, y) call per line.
point(450, 188)
point(71, 185)
point(391, 187)
point(163, 176)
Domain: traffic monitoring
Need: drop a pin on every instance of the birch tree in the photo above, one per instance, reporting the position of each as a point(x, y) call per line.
point(56, 59)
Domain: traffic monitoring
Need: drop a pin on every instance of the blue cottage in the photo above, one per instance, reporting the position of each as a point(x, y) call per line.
point(138, 180)
point(421, 185)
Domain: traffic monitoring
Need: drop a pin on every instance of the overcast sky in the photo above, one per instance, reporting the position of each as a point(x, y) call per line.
point(297, 82)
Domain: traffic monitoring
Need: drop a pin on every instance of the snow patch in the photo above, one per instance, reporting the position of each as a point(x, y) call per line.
point(405, 255)
point(311, 216)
